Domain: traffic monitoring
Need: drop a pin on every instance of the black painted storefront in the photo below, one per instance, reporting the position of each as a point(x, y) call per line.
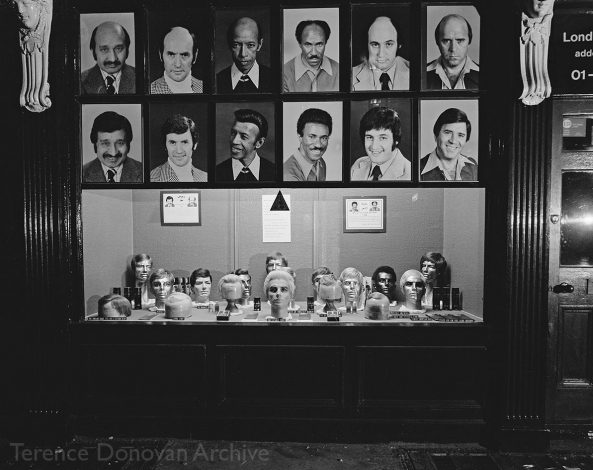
point(481, 382)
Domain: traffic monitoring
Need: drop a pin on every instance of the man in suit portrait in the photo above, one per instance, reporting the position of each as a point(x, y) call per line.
point(180, 137)
point(314, 128)
point(246, 75)
point(383, 69)
point(178, 52)
point(453, 69)
point(248, 134)
point(312, 70)
point(111, 136)
point(380, 132)
point(110, 45)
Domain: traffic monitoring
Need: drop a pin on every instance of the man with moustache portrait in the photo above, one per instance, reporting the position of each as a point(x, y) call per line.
point(314, 127)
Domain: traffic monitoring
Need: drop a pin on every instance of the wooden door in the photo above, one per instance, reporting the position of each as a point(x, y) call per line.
point(570, 299)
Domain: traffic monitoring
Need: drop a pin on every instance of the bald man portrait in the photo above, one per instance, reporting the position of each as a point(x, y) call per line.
point(453, 69)
point(383, 69)
point(178, 52)
point(246, 75)
point(110, 45)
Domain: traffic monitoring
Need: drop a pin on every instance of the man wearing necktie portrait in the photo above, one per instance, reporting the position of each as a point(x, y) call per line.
point(248, 134)
point(314, 127)
point(110, 46)
point(246, 75)
point(111, 136)
point(380, 132)
point(383, 69)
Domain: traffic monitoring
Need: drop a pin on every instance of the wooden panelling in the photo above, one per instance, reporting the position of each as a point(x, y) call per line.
point(154, 379)
point(527, 262)
point(310, 376)
point(575, 346)
point(427, 380)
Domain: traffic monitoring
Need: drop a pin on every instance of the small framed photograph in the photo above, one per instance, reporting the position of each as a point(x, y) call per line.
point(313, 141)
point(107, 54)
point(365, 214)
point(381, 45)
point(449, 131)
point(452, 48)
point(311, 50)
point(242, 51)
point(178, 51)
point(111, 143)
point(181, 208)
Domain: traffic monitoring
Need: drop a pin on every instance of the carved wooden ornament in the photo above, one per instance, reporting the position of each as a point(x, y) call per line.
point(35, 17)
point(536, 23)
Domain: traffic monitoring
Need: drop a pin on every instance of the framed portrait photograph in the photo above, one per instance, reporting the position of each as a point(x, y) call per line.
point(365, 214)
point(245, 142)
point(112, 143)
point(449, 140)
point(381, 134)
point(381, 47)
point(181, 208)
point(108, 54)
point(311, 50)
point(178, 137)
point(451, 48)
point(242, 50)
point(312, 141)
point(178, 51)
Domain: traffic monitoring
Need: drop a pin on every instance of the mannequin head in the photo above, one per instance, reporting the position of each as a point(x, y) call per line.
point(161, 286)
point(274, 261)
point(432, 266)
point(231, 289)
point(316, 275)
point(377, 307)
point(352, 285)
point(201, 285)
point(384, 281)
point(178, 305)
point(279, 288)
point(141, 266)
point(243, 273)
point(413, 286)
point(114, 306)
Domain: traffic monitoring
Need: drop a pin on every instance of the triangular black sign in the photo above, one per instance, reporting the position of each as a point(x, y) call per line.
point(279, 203)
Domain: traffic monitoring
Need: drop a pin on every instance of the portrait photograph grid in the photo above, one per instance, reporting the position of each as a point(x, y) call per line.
point(219, 59)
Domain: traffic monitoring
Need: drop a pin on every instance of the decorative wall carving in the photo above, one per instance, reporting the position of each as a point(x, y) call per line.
point(35, 17)
point(536, 24)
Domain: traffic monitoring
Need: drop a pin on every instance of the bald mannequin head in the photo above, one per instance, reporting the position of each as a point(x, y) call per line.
point(382, 43)
point(178, 52)
point(110, 45)
point(244, 37)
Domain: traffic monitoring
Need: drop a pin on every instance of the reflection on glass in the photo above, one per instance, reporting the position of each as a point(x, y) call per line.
point(576, 223)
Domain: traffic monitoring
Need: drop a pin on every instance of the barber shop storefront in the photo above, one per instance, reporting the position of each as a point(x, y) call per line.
point(336, 221)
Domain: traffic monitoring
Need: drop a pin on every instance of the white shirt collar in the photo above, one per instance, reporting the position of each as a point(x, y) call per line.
point(238, 166)
point(184, 173)
point(117, 77)
point(434, 161)
point(446, 85)
point(253, 74)
point(179, 87)
point(118, 171)
point(306, 165)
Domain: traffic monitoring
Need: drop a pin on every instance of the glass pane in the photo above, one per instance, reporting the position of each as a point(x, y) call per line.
point(576, 225)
